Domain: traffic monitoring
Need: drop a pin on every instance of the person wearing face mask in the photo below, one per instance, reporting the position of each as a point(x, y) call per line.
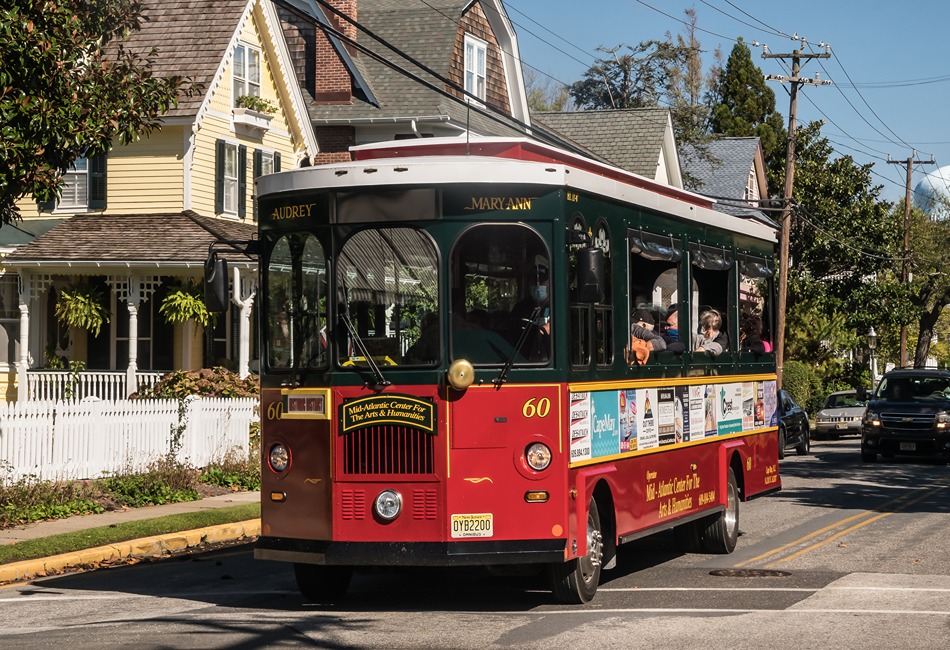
point(537, 306)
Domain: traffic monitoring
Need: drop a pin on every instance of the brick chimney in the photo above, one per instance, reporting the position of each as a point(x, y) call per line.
point(332, 82)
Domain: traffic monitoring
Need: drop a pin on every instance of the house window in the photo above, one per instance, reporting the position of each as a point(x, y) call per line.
point(752, 188)
point(265, 162)
point(230, 178)
point(84, 186)
point(247, 72)
point(475, 55)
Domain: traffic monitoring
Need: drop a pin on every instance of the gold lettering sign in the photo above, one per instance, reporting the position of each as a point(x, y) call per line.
point(292, 211)
point(388, 409)
point(504, 203)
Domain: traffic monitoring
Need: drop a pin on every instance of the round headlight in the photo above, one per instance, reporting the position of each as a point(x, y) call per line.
point(538, 456)
point(388, 505)
point(279, 458)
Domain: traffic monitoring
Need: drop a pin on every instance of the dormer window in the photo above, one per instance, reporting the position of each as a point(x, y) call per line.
point(475, 55)
point(247, 72)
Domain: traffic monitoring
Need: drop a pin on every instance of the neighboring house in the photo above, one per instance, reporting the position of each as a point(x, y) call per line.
point(639, 140)
point(731, 170)
point(136, 222)
point(469, 43)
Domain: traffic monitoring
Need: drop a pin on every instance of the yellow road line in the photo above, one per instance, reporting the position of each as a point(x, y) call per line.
point(837, 524)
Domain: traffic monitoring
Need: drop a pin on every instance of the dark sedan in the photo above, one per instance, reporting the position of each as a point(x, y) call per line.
point(793, 429)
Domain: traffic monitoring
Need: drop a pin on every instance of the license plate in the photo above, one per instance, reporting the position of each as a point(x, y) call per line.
point(472, 526)
point(908, 446)
point(841, 425)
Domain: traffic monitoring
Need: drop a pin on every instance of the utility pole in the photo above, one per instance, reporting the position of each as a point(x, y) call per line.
point(905, 263)
point(796, 56)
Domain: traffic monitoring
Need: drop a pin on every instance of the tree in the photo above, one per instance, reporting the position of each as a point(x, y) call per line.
point(545, 95)
point(637, 78)
point(845, 253)
point(691, 91)
point(930, 287)
point(746, 107)
point(68, 88)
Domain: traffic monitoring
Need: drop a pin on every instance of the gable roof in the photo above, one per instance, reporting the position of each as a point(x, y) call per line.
point(192, 37)
point(100, 241)
point(722, 170)
point(425, 31)
point(630, 138)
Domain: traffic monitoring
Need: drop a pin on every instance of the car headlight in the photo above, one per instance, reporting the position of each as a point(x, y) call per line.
point(872, 419)
point(943, 420)
point(388, 505)
point(538, 456)
point(278, 458)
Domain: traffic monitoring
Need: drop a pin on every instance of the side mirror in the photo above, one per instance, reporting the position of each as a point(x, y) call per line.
point(590, 275)
point(216, 284)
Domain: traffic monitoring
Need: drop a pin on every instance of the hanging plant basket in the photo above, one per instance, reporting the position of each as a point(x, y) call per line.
point(83, 306)
point(185, 303)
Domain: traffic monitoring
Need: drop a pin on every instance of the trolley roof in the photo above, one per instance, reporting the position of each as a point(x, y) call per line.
point(444, 161)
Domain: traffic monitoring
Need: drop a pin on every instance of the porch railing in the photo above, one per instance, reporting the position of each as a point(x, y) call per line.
point(55, 385)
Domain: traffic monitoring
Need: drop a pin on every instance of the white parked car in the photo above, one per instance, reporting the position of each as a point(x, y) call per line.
point(841, 415)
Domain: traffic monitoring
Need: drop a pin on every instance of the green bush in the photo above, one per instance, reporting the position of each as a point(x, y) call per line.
point(29, 499)
point(207, 382)
point(236, 470)
point(164, 481)
point(802, 382)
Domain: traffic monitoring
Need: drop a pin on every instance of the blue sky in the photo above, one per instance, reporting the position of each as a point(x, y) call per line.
point(889, 62)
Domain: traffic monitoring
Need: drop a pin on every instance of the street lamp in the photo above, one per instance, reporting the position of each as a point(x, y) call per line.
point(872, 346)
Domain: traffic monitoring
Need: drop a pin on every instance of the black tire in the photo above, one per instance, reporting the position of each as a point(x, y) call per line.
point(781, 442)
point(868, 457)
point(689, 536)
point(804, 446)
point(319, 583)
point(722, 529)
point(575, 582)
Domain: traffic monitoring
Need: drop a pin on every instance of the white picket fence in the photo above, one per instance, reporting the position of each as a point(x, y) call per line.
point(91, 438)
point(53, 385)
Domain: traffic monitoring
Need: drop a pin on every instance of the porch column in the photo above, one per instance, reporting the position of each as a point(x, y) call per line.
point(22, 388)
point(31, 287)
point(134, 290)
point(243, 291)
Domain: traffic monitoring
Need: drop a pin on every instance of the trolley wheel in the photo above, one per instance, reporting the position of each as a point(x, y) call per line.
point(576, 582)
point(781, 443)
point(319, 583)
point(722, 530)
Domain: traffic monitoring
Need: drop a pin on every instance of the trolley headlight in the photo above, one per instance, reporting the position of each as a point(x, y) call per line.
point(538, 456)
point(279, 458)
point(388, 505)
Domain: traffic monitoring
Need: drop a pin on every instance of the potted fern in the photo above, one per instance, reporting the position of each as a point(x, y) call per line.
point(185, 303)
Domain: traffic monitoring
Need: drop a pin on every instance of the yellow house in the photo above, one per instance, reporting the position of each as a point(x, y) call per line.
point(133, 226)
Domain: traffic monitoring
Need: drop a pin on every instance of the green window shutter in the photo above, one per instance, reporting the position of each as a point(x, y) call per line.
point(97, 182)
point(219, 153)
point(258, 165)
point(276, 161)
point(242, 181)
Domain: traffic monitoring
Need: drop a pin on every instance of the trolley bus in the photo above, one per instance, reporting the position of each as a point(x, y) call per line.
point(447, 376)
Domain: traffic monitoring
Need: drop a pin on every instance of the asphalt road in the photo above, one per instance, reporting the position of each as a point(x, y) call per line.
point(848, 555)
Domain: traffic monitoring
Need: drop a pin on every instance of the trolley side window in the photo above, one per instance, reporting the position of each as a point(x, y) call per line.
point(655, 261)
point(296, 290)
point(711, 304)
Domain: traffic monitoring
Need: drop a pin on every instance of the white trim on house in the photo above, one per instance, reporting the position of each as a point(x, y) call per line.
point(508, 44)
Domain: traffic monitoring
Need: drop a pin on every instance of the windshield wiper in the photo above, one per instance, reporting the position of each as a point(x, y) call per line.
point(528, 322)
point(381, 381)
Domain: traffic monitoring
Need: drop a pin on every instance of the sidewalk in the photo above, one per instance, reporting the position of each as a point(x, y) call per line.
point(132, 548)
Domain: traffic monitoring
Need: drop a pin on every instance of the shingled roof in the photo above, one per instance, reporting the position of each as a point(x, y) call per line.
point(631, 139)
point(425, 31)
point(177, 238)
point(722, 170)
point(192, 37)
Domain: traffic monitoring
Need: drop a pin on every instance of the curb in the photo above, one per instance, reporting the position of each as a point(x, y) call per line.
point(145, 546)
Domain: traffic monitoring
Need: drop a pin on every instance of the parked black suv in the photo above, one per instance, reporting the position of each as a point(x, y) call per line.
point(908, 414)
